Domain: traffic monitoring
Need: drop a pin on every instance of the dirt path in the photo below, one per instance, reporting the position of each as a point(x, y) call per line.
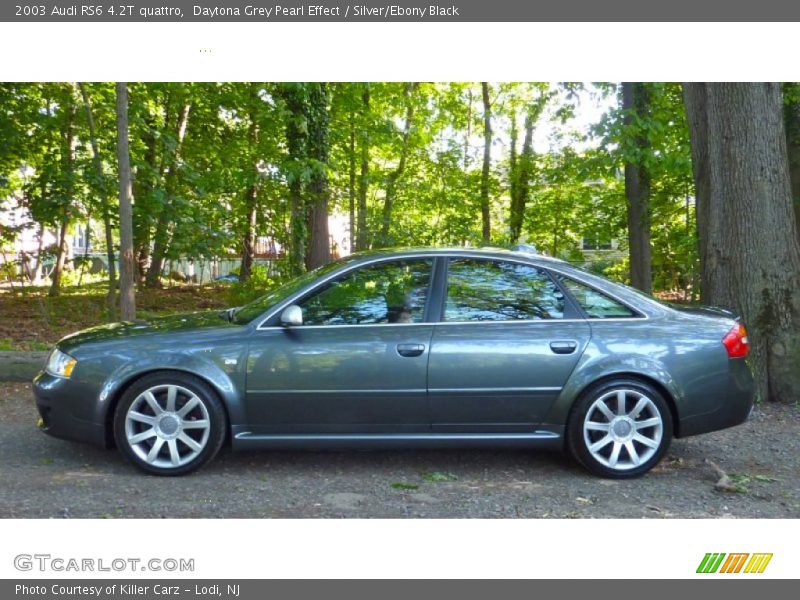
point(45, 477)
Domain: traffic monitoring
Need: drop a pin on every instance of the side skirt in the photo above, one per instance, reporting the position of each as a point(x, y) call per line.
point(538, 439)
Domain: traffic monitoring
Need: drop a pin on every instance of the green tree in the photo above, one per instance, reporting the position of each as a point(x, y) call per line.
point(749, 247)
point(100, 187)
point(317, 119)
point(177, 115)
point(486, 225)
point(636, 110)
point(127, 277)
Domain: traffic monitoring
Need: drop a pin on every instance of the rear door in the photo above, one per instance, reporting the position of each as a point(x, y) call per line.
point(505, 347)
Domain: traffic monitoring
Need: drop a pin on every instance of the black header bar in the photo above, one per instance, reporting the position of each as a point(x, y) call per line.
point(401, 10)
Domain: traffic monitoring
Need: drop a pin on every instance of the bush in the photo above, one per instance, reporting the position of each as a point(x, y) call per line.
point(71, 277)
point(9, 271)
point(615, 269)
point(243, 292)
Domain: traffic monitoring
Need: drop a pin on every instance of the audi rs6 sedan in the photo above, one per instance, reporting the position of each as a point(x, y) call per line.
point(419, 347)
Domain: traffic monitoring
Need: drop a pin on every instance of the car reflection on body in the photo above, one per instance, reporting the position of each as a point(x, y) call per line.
point(418, 347)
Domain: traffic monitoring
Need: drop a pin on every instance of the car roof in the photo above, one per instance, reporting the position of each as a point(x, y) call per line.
point(486, 251)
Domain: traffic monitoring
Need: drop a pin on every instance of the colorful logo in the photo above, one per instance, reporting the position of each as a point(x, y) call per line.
point(719, 562)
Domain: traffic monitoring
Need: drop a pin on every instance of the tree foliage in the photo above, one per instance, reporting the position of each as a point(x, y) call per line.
point(218, 168)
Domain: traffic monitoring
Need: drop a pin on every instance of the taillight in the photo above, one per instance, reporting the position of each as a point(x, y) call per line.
point(735, 342)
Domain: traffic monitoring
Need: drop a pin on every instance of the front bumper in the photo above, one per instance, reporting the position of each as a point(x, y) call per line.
point(58, 401)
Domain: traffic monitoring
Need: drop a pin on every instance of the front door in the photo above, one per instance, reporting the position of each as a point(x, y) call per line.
point(357, 364)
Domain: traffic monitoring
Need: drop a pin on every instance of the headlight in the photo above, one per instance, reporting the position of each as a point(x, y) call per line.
point(60, 364)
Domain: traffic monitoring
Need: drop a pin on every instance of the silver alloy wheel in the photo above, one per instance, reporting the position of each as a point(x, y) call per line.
point(167, 426)
point(623, 429)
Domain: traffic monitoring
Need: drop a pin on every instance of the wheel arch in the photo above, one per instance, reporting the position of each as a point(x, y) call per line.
point(595, 366)
point(644, 378)
point(116, 395)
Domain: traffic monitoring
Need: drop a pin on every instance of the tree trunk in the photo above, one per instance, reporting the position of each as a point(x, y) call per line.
point(487, 161)
point(296, 140)
point(513, 177)
point(792, 121)
point(67, 166)
point(362, 240)
point(162, 233)
point(694, 97)
point(523, 182)
point(394, 176)
point(143, 186)
point(61, 254)
point(468, 132)
point(251, 197)
point(750, 251)
point(111, 295)
point(127, 267)
point(36, 276)
point(86, 246)
point(636, 102)
point(351, 188)
point(319, 251)
point(249, 237)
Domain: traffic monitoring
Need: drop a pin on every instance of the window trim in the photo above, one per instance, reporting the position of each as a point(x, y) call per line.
point(437, 293)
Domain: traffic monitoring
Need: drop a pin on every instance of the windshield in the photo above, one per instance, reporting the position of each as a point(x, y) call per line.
point(259, 306)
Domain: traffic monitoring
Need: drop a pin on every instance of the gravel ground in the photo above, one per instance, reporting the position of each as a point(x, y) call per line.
point(43, 477)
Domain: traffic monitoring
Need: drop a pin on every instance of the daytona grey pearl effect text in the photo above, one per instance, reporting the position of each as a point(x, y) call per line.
point(278, 11)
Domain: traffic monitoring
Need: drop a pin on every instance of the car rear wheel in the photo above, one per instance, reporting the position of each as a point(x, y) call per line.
point(169, 423)
point(620, 428)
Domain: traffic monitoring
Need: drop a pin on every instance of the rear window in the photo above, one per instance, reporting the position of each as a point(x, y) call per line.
point(596, 304)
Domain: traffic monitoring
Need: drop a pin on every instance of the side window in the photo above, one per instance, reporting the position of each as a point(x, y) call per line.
point(392, 292)
point(595, 304)
point(484, 290)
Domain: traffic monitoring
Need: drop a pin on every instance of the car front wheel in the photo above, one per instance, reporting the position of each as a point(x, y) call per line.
point(620, 428)
point(169, 423)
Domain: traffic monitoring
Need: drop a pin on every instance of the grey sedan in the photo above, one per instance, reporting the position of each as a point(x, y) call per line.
point(420, 347)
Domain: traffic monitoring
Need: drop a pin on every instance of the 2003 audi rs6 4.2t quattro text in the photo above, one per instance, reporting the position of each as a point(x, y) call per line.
point(419, 347)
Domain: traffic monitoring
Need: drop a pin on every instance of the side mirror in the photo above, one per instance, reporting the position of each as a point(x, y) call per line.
point(292, 316)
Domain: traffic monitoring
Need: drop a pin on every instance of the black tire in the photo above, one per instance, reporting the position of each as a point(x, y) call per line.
point(204, 422)
point(595, 449)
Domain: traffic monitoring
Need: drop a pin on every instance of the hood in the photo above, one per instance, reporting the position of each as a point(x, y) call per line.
point(124, 329)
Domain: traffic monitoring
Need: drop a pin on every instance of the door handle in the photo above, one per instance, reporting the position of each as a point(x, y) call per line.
point(410, 350)
point(563, 347)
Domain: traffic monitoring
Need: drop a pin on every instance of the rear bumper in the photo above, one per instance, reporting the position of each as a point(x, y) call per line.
point(733, 409)
point(55, 401)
